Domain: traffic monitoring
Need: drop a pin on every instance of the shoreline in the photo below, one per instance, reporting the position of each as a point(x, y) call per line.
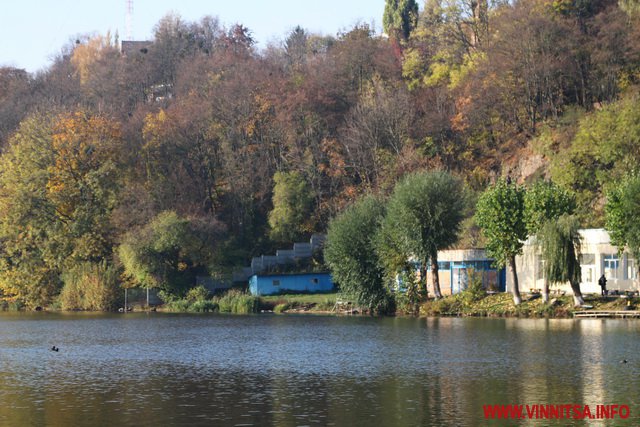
point(459, 305)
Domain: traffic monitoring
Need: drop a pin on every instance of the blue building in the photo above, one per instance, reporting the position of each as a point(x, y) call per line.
point(456, 265)
point(271, 284)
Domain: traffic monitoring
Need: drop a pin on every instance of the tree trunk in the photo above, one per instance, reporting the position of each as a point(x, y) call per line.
point(436, 277)
point(516, 290)
point(577, 295)
point(545, 290)
point(423, 279)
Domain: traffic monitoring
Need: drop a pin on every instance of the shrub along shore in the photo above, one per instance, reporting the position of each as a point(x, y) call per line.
point(469, 303)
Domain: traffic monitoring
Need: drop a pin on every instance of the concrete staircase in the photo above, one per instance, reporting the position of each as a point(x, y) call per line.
point(262, 263)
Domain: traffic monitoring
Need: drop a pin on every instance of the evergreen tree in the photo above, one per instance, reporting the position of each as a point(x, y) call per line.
point(400, 18)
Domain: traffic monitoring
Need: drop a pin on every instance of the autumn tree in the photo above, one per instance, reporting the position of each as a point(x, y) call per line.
point(377, 131)
point(15, 100)
point(58, 189)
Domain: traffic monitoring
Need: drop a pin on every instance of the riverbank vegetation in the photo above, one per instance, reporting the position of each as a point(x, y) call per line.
point(501, 305)
point(197, 300)
point(147, 165)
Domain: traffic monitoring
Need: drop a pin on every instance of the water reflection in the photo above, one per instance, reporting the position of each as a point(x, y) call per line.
point(290, 371)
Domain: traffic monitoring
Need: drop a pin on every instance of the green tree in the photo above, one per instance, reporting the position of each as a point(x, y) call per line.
point(292, 204)
point(559, 241)
point(160, 254)
point(58, 188)
point(622, 212)
point(400, 18)
point(500, 215)
point(351, 255)
point(428, 209)
point(605, 148)
point(27, 270)
point(545, 201)
point(399, 270)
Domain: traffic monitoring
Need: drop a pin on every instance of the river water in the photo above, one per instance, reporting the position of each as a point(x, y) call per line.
point(268, 370)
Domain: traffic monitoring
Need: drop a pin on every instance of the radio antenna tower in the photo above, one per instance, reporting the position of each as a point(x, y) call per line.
point(129, 20)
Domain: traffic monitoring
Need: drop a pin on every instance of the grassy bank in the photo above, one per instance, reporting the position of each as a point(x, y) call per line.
point(299, 302)
point(242, 303)
point(501, 305)
point(468, 303)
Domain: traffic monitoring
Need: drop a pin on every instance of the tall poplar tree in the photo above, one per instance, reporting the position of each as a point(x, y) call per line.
point(400, 18)
point(500, 215)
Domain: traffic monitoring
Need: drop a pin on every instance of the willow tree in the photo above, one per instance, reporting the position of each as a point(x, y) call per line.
point(428, 209)
point(559, 241)
point(350, 253)
point(500, 215)
point(545, 201)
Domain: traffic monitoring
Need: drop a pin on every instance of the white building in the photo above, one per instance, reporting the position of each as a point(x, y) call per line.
point(598, 257)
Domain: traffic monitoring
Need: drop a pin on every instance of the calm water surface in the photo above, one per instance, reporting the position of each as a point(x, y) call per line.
point(159, 369)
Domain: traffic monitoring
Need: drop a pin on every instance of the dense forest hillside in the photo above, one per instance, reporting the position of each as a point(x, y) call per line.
point(151, 162)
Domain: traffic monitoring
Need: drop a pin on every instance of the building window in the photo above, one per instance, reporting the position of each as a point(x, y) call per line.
point(444, 265)
point(588, 264)
point(632, 269)
point(611, 266)
point(276, 283)
point(315, 280)
point(588, 274)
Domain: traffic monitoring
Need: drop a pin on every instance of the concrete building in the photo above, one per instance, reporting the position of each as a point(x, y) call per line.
point(456, 265)
point(272, 284)
point(598, 257)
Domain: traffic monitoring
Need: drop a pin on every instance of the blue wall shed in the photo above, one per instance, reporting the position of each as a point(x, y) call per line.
point(271, 284)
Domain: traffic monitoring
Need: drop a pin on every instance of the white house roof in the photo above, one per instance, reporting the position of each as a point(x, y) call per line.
point(592, 236)
point(595, 236)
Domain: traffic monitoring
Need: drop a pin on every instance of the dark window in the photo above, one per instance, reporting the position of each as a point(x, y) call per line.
point(276, 283)
point(444, 265)
point(315, 280)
